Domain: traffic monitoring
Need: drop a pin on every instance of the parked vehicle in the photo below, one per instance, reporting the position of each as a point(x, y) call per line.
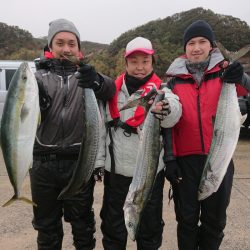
point(7, 70)
point(244, 102)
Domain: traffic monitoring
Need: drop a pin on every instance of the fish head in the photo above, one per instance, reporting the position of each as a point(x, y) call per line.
point(23, 80)
point(29, 78)
point(22, 93)
point(131, 217)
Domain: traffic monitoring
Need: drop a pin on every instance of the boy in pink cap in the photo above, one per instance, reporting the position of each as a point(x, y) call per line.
point(120, 146)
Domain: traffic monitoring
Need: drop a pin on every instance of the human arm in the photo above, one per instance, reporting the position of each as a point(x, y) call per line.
point(44, 98)
point(172, 169)
point(98, 172)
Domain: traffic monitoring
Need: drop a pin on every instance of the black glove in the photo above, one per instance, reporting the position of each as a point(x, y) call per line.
point(233, 73)
point(88, 78)
point(98, 174)
point(173, 172)
point(162, 114)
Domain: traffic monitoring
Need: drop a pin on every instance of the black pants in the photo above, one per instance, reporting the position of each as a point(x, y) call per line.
point(47, 181)
point(200, 224)
point(112, 215)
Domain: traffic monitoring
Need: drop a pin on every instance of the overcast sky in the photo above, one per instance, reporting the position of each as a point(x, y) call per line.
point(104, 20)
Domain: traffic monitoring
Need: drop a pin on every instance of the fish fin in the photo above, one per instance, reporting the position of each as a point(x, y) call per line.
point(27, 201)
point(14, 198)
point(39, 119)
point(243, 118)
point(24, 112)
point(232, 56)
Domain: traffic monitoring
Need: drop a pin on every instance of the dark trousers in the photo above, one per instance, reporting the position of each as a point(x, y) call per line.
point(200, 223)
point(112, 215)
point(47, 181)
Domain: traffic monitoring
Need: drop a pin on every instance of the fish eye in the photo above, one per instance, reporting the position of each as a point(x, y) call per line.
point(130, 224)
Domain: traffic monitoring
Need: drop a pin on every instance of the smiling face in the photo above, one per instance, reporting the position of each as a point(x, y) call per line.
point(139, 64)
point(64, 43)
point(198, 49)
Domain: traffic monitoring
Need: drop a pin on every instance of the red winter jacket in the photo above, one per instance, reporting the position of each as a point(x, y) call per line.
point(193, 133)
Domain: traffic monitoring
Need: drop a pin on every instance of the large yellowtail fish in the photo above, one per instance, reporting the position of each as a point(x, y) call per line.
point(20, 119)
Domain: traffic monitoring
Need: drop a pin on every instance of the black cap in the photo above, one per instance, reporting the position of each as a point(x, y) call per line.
point(198, 28)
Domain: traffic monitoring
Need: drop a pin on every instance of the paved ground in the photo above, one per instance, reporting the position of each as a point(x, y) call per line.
point(16, 232)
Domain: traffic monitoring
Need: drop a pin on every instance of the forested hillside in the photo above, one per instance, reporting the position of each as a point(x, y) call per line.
point(19, 44)
point(165, 34)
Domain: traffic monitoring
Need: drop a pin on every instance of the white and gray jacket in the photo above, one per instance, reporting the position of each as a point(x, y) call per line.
point(125, 147)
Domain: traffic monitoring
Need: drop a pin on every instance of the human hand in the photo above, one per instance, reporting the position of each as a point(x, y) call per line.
point(88, 78)
point(98, 174)
point(233, 73)
point(173, 172)
point(161, 109)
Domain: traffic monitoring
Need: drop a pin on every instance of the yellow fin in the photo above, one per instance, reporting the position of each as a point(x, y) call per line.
point(24, 112)
point(14, 198)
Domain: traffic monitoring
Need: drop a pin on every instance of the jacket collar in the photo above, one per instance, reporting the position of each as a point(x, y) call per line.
point(178, 67)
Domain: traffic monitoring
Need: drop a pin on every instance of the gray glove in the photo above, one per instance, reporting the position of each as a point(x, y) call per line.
point(98, 173)
point(164, 112)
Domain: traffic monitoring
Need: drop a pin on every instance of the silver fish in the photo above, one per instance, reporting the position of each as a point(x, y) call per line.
point(225, 137)
point(20, 119)
point(226, 132)
point(89, 148)
point(145, 172)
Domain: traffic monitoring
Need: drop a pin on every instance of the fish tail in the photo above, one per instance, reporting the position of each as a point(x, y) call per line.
point(14, 198)
point(10, 201)
point(27, 200)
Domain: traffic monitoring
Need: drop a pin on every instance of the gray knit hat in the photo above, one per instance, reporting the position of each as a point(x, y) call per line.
point(60, 25)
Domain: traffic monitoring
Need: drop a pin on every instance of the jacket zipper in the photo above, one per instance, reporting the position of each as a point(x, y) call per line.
point(200, 123)
point(65, 94)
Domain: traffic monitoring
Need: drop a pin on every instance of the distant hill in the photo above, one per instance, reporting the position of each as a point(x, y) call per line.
point(165, 34)
point(16, 43)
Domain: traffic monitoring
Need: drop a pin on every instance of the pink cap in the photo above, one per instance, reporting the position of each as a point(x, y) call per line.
point(139, 44)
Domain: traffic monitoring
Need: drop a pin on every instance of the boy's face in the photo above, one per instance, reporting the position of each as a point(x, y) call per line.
point(139, 64)
point(64, 43)
point(197, 49)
